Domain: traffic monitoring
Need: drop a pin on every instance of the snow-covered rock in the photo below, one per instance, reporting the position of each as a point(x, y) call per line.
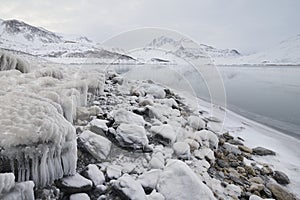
point(22, 190)
point(196, 122)
point(97, 145)
point(113, 171)
point(157, 160)
point(127, 117)
point(128, 188)
point(178, 181)
point(165, 133)
point(182, 150)
point(203, 153)
point(99, 126)
point(131, 135)
point(150, 178)
point(79, 196)
point(93, 173)
point(75, 184)
point(206, 138)
point(154, 195)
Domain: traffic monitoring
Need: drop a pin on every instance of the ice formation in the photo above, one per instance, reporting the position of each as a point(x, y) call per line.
point(37, 109)
point(38, 141)
point(9, 190)
point(8, 62)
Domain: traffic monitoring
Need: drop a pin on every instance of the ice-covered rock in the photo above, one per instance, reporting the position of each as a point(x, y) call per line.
point(113, 171)
point(205, 152)
point(75, 184)
point(97, 145)
point(37, 139)
point(196, 122)
point(157, 161)
point(149, 89)
point(161, 112)
point(127, 117)
point(93, 173)
point(21, 191)
point(178, 181)
point(154, 195)
point(150, 178)
point(164, 133)
point(128, 188)
point(255, 197)
point(79, 196)
point(206, 138)
point(7, 182)
point(131, 135)
point(182, 150)
point(99, 126)
point(84, 113)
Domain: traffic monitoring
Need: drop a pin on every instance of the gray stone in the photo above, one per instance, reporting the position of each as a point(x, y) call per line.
point(280, 193)
point(261, 151)
point(281, 178)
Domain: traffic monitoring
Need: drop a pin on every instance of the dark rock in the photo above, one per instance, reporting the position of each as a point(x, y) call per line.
point(245, 149)
point(281, 178)
point(227, 136)
point(280, 193)
point(222, 163)
point(261, 151)
point(74, 184)
point(235, 142)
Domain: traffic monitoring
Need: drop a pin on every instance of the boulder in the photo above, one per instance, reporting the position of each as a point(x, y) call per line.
point(74, 184)
point(281, 178)
point(97, 145)
point(279, 192)
point(261, 151)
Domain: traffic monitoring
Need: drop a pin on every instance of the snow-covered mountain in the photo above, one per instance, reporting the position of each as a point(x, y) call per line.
point(23, 38)
point(286, 52)
point(188, 49)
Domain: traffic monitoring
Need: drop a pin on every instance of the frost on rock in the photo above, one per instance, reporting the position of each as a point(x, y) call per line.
point(79, 196)
point(75, 184)
point(97, 145)
point(131, 135)
point(38, 141)
point(178, 181)
point(15, 191)
point(128, 188)
point(149, 179)
point(127, 117)
point(182, 150)
point(196, 122)
point(99, 126)
point(206, 138)
point(165, 133)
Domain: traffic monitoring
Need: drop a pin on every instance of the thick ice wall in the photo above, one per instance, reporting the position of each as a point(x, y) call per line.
point(9, 62)
point(38, 140)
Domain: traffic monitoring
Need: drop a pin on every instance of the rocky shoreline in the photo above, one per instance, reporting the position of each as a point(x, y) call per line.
point(135, 140)
point(145, 143)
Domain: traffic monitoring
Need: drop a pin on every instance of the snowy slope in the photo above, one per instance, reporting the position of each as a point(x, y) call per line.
point(286, 52)
point(20, 37)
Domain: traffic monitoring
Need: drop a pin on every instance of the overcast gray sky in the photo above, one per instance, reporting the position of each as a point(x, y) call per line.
point(247, 25)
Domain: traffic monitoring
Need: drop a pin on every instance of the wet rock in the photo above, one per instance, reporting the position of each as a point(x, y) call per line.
point(235, 142)
point(74, 184)
point(245, 149)
point(261, 151)
point(281, 178)
point(257, 180)
point(279, 192)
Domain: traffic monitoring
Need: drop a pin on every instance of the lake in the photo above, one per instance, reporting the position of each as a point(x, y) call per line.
point(267, 94)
